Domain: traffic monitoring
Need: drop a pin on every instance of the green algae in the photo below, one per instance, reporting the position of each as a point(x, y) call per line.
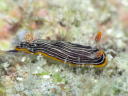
point(57, 77)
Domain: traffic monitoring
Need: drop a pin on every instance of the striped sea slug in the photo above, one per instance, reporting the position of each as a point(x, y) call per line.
point(66, 52)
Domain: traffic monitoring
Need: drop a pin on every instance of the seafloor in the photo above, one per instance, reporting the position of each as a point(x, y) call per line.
point(75, 21)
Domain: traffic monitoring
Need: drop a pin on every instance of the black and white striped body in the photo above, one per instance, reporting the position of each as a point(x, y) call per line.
point(65, 51)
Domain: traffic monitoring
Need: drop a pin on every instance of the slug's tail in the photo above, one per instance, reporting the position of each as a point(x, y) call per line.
point(9, 51)
point(12, 51)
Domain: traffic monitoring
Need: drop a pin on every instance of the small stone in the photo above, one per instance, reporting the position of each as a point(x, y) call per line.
point(46, 76)
point(23, 59)
point(19, 78)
